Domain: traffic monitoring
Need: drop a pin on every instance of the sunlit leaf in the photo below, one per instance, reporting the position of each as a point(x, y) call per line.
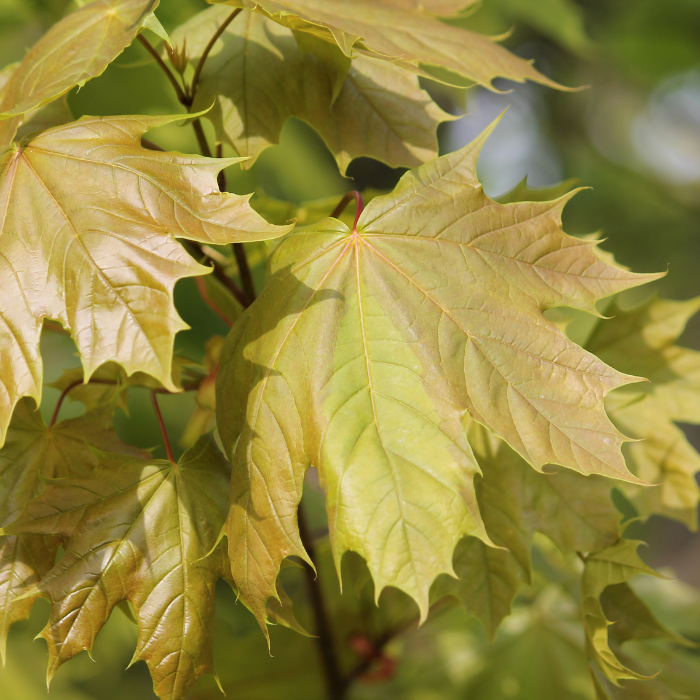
point(405, 38)
point(257, 77)
point(642, 340)
point(31, 453)
point(87, 237)
point(73, 51)
point(138, 531)
point(367, 348)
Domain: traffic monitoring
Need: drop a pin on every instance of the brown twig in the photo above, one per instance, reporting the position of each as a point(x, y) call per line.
point(325, 643)
point(202, 287)
point(201, 138)
point(181, 96)
point(207, 50)
point(161, 423)
point(61, 399)
point(151, 146)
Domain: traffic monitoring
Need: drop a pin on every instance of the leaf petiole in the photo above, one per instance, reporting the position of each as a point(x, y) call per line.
point(354, 194)
point(161, 423)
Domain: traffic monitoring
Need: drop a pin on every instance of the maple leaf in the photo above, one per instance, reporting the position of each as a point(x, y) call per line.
point(73, 51)
point(257, 77)
point(515, 501)
point(404, 38)
point(642, 340)
point(34, 452)
point(139, 531)
point(88, 220)
point(387, 335)
point(610, 567)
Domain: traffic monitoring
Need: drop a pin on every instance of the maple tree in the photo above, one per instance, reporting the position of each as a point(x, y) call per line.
point(442, 362)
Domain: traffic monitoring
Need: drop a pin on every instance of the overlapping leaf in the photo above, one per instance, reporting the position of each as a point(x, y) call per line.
point(88, 221)
point(611, 567)
point(369, 346)
point(642, 340)
point(575, 512)
point(139, 531)
point(405, 38)
point(257, 77)
point(34, 452)
point(73, 51)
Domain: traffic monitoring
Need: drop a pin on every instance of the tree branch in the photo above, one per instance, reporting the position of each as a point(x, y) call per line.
point(324, 640)
point(182, 98)
point(207, 50)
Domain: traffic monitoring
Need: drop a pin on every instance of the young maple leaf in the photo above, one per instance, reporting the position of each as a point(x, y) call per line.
point(370, 345)
point(140, 531)
point(73, 51)
point(257, 77)
point(88, 220)
point(642, 340)
point(574, 511)
point(405, 38)
point(34, 452)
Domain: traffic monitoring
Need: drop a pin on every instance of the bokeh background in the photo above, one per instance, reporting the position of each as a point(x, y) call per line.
point(632, 136)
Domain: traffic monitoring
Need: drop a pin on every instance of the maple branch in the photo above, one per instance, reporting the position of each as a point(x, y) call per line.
point(151, 146)
point(161, 423)
point(344, 203)
point(220, 273)
point(182, 98)
point(202, 287)
point(61, 399)
point(325, 643)
point(207, 50)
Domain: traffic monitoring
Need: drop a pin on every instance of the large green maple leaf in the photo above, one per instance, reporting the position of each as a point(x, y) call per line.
point(257, 76)
point(642, 340)
point(73, 51)
point(404, 37)
point(369, 346)
point(34, 452)
point(88, 220)
point(140, 531)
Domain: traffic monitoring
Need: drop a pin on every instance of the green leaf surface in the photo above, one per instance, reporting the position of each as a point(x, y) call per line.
point(515, 501)
point(87, 237)
point(257, 77)
point(405, 38)
point(610, 567)
point(642, 340)
point(73, 51)
point(367, 348)
point(34, 452)
point(139, 531)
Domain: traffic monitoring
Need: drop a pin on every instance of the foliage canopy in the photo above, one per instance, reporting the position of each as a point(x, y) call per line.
point(424, 354)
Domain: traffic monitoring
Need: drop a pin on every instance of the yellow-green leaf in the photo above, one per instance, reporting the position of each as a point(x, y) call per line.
point(405, 38)
point(138, 531)
point(73, 51)
point(609, 567)
point(642, 340)
point(34, 452)
point(515, 501)
point(88, 220)
point(368, 347)
point(257, 77)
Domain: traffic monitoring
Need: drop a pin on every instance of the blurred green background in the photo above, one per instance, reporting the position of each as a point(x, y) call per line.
point(632, 136)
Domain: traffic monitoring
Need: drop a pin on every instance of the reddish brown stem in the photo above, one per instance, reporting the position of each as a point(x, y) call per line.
point(61, 399)
point(202, 287)
point(182, 98)
point(344, 203)
point(161, 423)
point(207, 50)
point(324, 636)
